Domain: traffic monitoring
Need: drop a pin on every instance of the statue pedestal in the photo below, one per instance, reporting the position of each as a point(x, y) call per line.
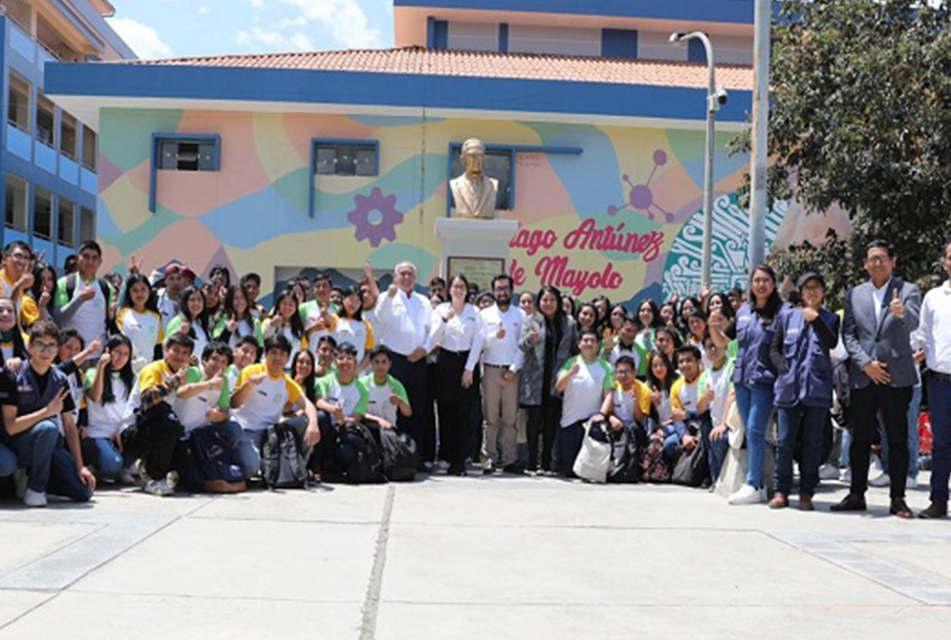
point(475, 247)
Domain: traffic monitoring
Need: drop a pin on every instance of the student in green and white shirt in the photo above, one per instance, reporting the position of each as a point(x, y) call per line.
point(719, 378)
point(340, 395)
point(387, 397)
point(247, 352)
point(205, 398)
point(585, 380)
point(82, 301)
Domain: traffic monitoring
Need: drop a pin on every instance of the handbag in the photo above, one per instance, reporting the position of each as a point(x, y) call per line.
point(594, 458)
point(692, 467)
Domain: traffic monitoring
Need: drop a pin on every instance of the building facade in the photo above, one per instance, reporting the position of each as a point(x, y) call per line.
point(48, 156)
point(594, 124)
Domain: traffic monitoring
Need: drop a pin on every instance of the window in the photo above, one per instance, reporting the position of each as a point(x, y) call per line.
point(90, 140)
point(18, 110)
point(17, 189)
point(42, 213)
point(188, 155)
point(45, 120)
point(67, 137)
point(87, 224)
point(499, 164)
point(67, 222)
point(346, 157)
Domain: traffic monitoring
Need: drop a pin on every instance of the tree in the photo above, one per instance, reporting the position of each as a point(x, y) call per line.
point(861, 118)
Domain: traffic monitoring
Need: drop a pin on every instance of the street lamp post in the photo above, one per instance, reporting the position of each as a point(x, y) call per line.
point(716, 98)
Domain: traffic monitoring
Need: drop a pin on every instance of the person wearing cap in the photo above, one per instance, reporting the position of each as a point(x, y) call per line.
point(880, 317)
point(800, 351)
point(177, 277)
point(935, 333)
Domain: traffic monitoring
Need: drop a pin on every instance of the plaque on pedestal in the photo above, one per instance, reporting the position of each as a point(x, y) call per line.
point(474, 244)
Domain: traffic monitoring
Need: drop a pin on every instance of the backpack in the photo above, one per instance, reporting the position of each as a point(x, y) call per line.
point(283, 465)
point(594, 458)
point(358, 455)
point(692, 467)
point(215, 457)
point(400, 456)
point(625, 455)
point(654, 465)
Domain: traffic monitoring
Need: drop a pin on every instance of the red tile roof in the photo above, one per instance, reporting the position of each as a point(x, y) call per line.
point(418, 60)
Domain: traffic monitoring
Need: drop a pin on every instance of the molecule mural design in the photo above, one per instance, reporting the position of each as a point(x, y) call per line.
point(641, 196)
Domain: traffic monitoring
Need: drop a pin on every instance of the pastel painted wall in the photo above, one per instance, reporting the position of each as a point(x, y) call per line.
point(621, 219)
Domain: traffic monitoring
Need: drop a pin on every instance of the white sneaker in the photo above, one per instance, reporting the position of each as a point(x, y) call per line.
point(846, 475)
point(21, 480)
point(34, 498)
point(441, 466)
point(828, 472)
point(911, 483)
point(875, 468)
point(140, 473)
point(125, 477)
point(747, 495)
point(881, 480)
point(172, 480)
point(158, 488)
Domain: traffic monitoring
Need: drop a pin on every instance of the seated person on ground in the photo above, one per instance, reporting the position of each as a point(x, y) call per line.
point(385, 394)
point(109, 410)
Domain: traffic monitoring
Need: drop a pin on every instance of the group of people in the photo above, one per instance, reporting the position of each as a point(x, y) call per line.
point(117, 379)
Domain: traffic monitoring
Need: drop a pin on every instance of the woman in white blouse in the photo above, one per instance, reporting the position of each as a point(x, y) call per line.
point(457, 331)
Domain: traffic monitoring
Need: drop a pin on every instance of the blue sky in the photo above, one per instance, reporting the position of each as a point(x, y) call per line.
point(165, 28)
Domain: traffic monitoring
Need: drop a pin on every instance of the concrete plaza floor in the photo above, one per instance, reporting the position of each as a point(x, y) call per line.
point(498, 557)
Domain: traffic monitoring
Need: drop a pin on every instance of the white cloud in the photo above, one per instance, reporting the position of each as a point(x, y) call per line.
point(256, 4)
point(203, 10)
point(344, 20)
point(143, 39)
point(302, 42)
point(274, 40)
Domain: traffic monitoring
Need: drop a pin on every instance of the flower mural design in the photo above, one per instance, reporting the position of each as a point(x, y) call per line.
point(375, 217)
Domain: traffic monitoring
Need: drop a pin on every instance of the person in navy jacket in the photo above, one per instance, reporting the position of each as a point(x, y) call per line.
point(803, 391)
point(754, 375)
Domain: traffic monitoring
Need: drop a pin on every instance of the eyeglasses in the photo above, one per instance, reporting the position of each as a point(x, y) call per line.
point(878, 260)
point(45, 347)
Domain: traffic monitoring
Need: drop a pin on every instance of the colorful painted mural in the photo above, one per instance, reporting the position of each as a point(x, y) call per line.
point(621, 218)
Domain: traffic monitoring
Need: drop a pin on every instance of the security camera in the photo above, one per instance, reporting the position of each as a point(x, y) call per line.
point(718, 99)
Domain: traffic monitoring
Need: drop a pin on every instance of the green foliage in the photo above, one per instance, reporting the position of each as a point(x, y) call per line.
point(861, 118)
point(834, 259)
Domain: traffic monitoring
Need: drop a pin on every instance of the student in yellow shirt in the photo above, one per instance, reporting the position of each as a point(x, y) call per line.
point(630, 401)
point(16, 276)
point(689, 399)
point(35, 305)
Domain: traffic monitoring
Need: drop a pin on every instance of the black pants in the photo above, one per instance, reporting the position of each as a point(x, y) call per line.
point(543, 421)
point(570, 439)
point(414, 376)
point(893, 403)
point(153, 439)
point(454, 405)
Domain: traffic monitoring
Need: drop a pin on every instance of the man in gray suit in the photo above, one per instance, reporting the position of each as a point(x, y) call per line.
point(880, 316)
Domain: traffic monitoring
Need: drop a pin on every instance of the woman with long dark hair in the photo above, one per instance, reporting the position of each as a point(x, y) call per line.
point(755, 375)
point(719, 303)
point(304, 373)
point(138, 319)
point(549, 337)
point(648, 315)
point(285, 320)
point(350, 326)
point(458, 332)
point(35, 304)
point(191, 319)
point(237, 320)
point(110, 407)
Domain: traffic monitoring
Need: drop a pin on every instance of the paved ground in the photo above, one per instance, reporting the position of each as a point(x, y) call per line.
point(497, 558)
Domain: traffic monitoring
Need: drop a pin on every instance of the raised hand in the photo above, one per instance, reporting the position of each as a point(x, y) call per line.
point(533, 334)
point(87, 293)
point(896, 307)
point(232, 325)
point(391, 291)
point(368, 271)
point(575, 368)
point(104, 360)
point(257, 378)
point(55, 406)
point(809, 314)
point(394, 399)
point(500, 334)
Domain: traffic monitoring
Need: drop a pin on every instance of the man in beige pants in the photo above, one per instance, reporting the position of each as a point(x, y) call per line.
point(501, 361)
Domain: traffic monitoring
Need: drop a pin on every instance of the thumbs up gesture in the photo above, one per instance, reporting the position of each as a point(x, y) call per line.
point(501, 332)
point(896, 307)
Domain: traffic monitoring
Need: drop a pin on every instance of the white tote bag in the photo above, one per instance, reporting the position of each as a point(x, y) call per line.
point(594, 458)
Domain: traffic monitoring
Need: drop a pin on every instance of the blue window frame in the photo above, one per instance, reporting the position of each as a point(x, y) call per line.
point(340, 157)
point(182, 152)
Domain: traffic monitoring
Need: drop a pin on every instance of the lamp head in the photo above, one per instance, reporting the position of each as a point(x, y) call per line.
point(676, 38)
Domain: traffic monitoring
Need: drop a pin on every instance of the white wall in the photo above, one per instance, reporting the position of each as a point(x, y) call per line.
point(555, 40)
point(655, 45)
point(473, 36)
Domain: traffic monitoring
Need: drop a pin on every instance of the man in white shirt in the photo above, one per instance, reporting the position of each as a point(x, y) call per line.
point(935, 333)
point(501, 362)
point(403, 319)
point(82, 300)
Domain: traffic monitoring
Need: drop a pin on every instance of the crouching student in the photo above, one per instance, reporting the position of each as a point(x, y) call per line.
point(110, 389)
point(247, 352)
point(586, 381)
point(42, 403)
point(629, 403)
point(386, 396)
point(800, 351)
point(203, 405)
point(689, 400)
point(259, 401)
point(341, 399)
point(154, 437)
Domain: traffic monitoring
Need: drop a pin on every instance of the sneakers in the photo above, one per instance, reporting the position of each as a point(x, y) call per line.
point(172, 479)
point(125, 477)
point(911, 483)
point(828, 472)
point(488, 468)
point(441, 466)
point(747, 494)
point(34, 498)
point(158, 488)
point(846, 475)
point(881, 480)
point(21, 480)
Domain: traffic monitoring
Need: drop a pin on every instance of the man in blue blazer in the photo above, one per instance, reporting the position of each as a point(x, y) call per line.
point(880, 316)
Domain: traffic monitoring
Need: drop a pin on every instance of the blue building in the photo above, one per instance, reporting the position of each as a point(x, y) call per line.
point(48, 157)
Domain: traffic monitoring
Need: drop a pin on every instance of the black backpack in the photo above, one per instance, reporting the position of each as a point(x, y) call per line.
point(692, 467)
point(400, 457)
point(283, 464)
point(625, 455)
point(358, 454)
point(215, 457)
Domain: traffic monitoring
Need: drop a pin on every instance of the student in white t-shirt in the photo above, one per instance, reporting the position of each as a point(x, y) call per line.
point(689, 399)
point(341, 397)
point(263, 392)
point(585, 380)
point(82, 301)
point(192, 319)
point(110, 409)
point(385, 394)
point(139, 320)
point(719, 379)
point(350, 326)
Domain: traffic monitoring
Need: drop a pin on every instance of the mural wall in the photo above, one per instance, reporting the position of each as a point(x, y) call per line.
point(622, 218)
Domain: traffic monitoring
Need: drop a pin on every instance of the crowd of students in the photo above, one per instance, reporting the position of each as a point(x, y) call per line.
point(116, 380)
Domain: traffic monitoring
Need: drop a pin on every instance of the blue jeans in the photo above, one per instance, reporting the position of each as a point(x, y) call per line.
point(756, 408)
point(50, 466)
point(8, 461)
point(939, 406)
point(812, 420)
point(248, 448)
point(110, 460)
point(716, 451)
